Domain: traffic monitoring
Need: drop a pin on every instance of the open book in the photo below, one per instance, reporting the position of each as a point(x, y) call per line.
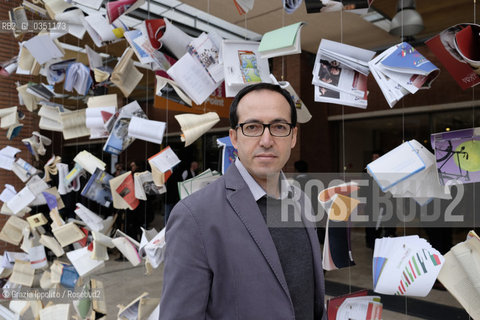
point(303, 115)
point(144, 185)
point(195, 125)
point(148, 130)
point(187, 187)
point(457, 49)
point(406, 266)
point(98, 188)
point(401, 70)
point(281, 42)
point(340, 73)
point(409, 171)
point(164, 160)
point(12, 231)
point(125, 75)
point(117, 8)
point(461, 273)
point(123, 191)
point(355, 305)
point(199, 72)
point(243, 65)
point(50, 116)
point(163, 32)
point(73, 124)
point(119, 140)
point(337, 249)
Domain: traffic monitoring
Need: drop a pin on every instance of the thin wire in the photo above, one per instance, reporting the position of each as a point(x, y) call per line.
point(344, 167)
point(283, 57)
point(148, 114)
point(403, 140)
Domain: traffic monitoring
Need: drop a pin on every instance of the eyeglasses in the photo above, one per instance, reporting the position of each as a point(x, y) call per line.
point(256, 129)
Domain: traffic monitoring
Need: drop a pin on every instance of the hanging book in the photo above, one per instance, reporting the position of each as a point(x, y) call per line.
point(406, 266)
point(281, 42)
point(243, 65)
point(458, 50)
point(456, 155)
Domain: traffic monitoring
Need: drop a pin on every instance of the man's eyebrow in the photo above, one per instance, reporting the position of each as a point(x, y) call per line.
point(258, 121)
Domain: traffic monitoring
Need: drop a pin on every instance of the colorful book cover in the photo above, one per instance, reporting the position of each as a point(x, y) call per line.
point(444, 48)
point(127, 191)
point(334, 303)
point(457, 155)
point(98, 188)
point(407, 59)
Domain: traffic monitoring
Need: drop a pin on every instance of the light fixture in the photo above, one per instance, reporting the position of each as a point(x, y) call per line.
point(408, 17)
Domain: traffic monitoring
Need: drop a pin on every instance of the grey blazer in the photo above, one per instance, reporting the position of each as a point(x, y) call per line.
point(221, 262)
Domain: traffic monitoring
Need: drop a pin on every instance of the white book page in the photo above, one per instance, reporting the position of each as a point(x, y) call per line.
point(396, 165)
point(175, 39)
point(191, 76)
point(82, 261)
point(74, 124)
point(56, 312)
point(20, 200)
point(165, 160)
point(195, 125)
point(148, 130)
point(89, 162)
point(68, 234)
point(43, 48)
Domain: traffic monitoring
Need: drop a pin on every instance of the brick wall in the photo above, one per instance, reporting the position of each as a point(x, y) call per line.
point(9, 98)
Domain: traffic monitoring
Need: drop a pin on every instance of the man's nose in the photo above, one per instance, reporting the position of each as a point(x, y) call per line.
point(266, 139)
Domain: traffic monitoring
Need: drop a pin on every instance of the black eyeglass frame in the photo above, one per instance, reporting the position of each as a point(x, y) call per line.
point(265, 125)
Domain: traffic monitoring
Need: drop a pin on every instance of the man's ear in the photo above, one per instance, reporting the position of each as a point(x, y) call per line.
point(294, 137)
point(233, 137)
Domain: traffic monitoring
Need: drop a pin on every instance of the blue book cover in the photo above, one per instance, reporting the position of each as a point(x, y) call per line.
point(229, 153)
point(98, 188)
point(69, 276)
point(408, 58)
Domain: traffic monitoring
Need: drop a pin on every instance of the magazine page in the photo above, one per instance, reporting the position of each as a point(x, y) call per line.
point(444, 46)
point(335, 76)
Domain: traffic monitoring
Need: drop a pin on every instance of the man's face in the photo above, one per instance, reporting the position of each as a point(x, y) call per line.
point(133, 166)
point(265, 155)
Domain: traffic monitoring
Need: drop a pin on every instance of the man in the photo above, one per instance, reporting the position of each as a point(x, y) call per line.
point(191, 172)
point(223, 261)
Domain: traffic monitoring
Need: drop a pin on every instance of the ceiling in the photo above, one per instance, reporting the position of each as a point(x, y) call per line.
point(344, 27)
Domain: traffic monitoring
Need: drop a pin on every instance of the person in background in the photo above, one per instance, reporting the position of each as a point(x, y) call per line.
point(191, 172)
point(119, 169)
point(172, 196)
point(228, 257)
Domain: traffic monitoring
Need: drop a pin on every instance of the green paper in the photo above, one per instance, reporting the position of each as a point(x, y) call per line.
point(280, 38)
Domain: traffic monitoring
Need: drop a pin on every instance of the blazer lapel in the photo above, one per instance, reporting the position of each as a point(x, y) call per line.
point(243, 203)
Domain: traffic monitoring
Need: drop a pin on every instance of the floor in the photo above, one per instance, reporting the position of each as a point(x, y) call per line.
point(123, 283)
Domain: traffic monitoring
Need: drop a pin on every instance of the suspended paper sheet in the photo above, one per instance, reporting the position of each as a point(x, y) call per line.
point(405, 266)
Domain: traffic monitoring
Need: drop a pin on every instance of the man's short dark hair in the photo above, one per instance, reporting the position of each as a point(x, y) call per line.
point(257, 87)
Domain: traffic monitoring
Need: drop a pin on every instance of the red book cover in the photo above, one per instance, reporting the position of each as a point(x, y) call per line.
point(83, 242)
point(155, 30)
point(127, 191)
point(443, 46)
point(334, 303)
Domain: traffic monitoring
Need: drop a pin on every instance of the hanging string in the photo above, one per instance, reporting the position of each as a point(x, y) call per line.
point(283, 57)
point(403, 141)
point(147, 71)
point(473, 116)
